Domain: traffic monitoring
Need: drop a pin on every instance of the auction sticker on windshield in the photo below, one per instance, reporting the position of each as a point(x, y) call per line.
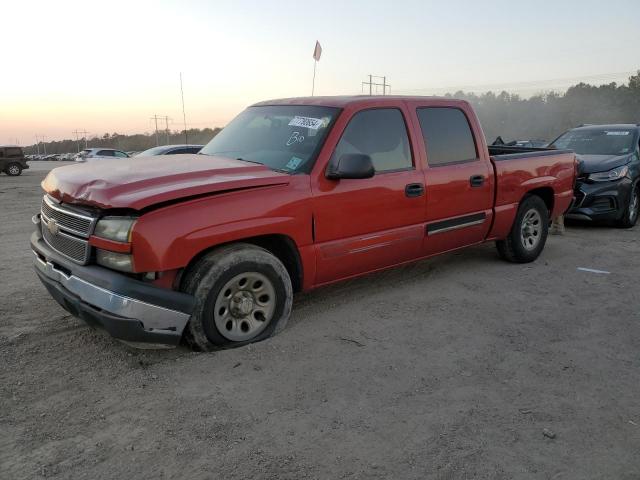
point(618, 132)
point(306, 122)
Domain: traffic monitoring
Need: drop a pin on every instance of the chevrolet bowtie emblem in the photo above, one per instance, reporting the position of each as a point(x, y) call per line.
point(53, 227)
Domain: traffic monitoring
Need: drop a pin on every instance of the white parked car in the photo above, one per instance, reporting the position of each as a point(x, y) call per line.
point(91, 154)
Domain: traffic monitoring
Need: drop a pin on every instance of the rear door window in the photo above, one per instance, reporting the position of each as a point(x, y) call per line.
point(381, 134)
point(447, 136)
point(13, 152)
point(120, 154)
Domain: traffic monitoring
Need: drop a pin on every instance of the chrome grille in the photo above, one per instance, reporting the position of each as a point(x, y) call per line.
point(66, 231)
point(66, 219)
point(71, 247)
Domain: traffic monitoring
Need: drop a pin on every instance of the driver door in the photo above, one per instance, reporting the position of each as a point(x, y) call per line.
point(363, 225)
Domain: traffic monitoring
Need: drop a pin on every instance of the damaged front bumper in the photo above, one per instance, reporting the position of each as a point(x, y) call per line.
point(130, 310)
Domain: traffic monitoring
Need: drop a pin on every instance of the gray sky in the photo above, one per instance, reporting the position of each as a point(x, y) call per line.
point(109, 66)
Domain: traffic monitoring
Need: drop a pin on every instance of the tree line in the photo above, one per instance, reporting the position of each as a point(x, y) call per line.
point(546, 116)
point(129, 143)
point(541, 117)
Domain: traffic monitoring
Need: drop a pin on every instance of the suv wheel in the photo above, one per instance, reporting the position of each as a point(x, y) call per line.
point(529, 233)
point(243, 295)
point(13, 169)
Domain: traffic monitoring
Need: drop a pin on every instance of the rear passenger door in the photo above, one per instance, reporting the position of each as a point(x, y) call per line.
point(366, 224)
point(458, 178)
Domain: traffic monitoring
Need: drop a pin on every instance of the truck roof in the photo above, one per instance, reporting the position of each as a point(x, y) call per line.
point(344, 100)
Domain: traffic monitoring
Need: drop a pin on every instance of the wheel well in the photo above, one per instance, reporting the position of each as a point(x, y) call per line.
point(281, 246)
point(546, 194)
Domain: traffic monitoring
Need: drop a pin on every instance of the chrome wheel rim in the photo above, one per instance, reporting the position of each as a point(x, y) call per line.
point(531, 229)
point(13, 170)
point(633, 204)
point(245, 306)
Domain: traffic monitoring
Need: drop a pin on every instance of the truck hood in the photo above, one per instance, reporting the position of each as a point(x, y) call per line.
point(601, 163)
point(140, 182)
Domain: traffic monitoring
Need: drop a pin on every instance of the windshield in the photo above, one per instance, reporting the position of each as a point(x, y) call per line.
point(596, 142)
point(284, 137)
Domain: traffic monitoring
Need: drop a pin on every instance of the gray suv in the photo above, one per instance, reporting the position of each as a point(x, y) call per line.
point(12, 160)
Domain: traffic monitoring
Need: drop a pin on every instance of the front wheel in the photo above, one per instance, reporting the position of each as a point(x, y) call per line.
point(630, 215)
point(13, 169)
point(529, 233)
point(243, 295)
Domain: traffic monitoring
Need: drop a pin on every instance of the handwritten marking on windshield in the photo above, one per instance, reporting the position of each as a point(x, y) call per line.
point(295, 138)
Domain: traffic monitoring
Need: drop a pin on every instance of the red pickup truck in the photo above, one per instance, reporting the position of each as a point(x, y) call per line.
point(291, 195)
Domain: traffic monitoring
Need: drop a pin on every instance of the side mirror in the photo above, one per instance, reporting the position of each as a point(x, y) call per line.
point(351, 165)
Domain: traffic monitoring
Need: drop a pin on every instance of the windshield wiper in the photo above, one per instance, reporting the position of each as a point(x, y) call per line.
point(250, 161)
point(260, 163)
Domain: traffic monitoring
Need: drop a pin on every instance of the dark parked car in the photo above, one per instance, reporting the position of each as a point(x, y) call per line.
point(609, 172)
point(170, 150)
point(12, 160)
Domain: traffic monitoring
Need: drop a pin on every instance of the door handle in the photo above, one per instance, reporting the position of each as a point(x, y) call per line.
point(476, 180)
point(414, 190)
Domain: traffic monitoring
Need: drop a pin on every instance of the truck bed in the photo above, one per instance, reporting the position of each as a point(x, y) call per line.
point(524, 169)
point(508, 150)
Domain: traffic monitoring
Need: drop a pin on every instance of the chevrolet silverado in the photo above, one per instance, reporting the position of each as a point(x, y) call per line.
point(293, 194)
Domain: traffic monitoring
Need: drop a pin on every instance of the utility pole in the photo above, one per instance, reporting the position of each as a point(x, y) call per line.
point(372, 84)
point(77, 140)
point(166, 119)
point(37, 145)
point(155, 118)
point(85, 133)
point(166, 124)
point(184, 115)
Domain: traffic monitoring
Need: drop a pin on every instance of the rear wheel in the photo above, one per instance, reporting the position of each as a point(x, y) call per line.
point(13, 169)
point(529, 233)
point(630, 216)
point(243, 295)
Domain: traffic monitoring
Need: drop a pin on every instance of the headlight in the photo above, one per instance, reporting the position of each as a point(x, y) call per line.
point(116, 261)
point(615, 174)
point(115, 228)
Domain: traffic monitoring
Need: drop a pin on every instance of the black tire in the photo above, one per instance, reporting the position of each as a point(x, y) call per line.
point(13, 169)
point(213, 272)
point(518, 247)
point(630, 215)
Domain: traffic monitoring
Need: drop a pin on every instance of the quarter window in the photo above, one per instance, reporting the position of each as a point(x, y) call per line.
point(120, 154)
point(381, 134)
point(447, 136)
point(13, 152)
point(106, 153)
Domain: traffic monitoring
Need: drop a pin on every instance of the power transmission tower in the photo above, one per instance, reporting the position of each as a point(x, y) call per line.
point(155, 118)
point(372, 84)
point(85, 133)
point(44, 145)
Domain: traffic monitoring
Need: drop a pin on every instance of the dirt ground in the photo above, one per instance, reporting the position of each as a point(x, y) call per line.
point(450, 368)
